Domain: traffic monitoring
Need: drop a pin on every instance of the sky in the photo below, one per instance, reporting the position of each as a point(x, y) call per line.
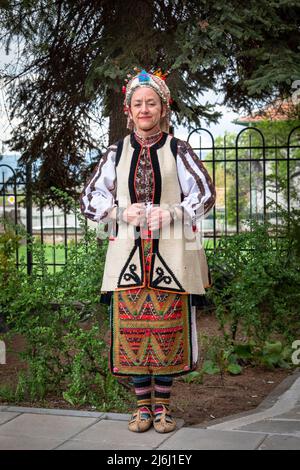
point(225, 123)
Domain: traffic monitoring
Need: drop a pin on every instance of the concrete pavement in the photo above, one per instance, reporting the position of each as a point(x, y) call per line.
point(275, 424)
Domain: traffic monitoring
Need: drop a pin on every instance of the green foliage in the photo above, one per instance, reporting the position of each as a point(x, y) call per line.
point(64, 356)
point(9, 241)
point(10, 280)
point(218, 357)
point(256, 292)
point(63, 326)
point(275, 354)
point(221, 355)
point(257, 281)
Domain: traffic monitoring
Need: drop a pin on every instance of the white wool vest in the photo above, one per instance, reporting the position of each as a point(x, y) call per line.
point(178, 261)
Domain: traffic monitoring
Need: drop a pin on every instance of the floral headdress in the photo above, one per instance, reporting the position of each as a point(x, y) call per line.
point(154, 80)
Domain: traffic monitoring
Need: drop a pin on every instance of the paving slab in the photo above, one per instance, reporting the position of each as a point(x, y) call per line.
point(6, 416)
point(294, 414)
point(56, 411)
point(117, 416)
point(45, 426)
point(100, 445)
point(280, 443)
point(273, 426)
point(204, 439)
point(27, 443)
point(114, 435)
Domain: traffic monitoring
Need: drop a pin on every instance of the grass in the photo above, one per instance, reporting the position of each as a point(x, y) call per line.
point(54, 255)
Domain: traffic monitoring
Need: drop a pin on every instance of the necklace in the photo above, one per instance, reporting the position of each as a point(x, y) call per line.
point(150, 139)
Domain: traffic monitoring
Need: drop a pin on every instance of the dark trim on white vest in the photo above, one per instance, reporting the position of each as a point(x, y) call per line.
point(163, 275)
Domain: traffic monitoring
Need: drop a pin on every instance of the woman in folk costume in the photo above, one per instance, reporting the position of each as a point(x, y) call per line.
point(154, 190)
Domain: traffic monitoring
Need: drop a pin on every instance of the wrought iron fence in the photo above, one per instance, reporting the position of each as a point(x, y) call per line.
point(53, 226)
point(252, 179)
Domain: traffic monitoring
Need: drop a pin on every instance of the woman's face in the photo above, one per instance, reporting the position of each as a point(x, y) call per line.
point(146, 109)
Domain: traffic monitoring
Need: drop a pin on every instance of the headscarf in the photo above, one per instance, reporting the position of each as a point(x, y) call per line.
point(156, 81)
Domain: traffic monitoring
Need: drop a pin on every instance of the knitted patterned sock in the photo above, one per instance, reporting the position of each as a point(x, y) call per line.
point(162, 392)
point(143, 388)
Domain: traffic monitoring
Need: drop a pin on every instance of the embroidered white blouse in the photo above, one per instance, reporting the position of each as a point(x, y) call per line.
point(99, 194)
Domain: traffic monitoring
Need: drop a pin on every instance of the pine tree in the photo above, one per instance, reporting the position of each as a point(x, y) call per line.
point(76, 54)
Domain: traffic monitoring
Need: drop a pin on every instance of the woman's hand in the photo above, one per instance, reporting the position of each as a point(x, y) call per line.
point(135, 214)
point(158, 217)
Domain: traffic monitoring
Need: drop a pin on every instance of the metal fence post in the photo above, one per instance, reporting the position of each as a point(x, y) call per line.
point(29, 216)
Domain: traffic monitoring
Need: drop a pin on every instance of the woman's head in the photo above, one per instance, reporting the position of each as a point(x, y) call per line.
point(147, 102)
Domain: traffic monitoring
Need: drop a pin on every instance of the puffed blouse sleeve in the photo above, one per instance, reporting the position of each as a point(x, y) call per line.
point(196, 184)
point(97, 200)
